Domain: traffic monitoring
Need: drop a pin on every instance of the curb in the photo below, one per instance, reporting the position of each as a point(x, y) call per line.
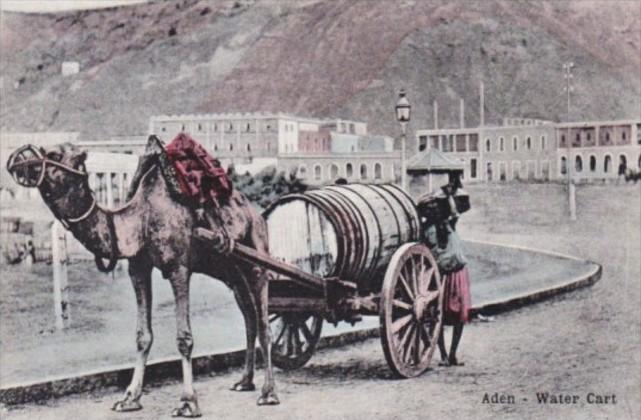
point(162, 369)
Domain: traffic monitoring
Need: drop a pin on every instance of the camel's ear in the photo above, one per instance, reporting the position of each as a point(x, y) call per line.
point(82, 157)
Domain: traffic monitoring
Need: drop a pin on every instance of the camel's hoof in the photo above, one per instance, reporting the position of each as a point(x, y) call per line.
point(126, 405)
point(243, 386)
point(269, 399)
point(187, 409)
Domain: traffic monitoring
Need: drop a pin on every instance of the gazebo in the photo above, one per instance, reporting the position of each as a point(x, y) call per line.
point(431, 169)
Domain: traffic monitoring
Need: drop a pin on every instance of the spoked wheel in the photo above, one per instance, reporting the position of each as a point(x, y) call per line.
point(294, 338)
point(411, 310)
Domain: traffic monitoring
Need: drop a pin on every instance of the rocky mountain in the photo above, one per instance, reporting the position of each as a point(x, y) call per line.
point(343, 58)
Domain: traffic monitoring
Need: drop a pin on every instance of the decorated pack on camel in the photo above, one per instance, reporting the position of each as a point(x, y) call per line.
point(193, 176)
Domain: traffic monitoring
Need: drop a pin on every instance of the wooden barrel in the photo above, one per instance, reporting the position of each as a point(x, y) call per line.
point(346, 231)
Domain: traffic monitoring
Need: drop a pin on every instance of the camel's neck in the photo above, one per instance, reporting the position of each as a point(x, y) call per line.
point(94, 231)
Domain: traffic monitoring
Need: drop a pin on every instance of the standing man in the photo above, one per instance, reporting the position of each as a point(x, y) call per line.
point(441, 237)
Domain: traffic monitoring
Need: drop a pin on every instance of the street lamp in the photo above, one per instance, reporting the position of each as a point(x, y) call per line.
point(403, 110)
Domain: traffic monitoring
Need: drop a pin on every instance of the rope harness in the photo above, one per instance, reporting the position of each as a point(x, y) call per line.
point(28, 167)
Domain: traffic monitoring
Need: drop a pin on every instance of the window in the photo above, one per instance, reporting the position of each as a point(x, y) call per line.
point(318, 172)
point(564, 165)
point(623, 163)
point(163, 128)
point(488, 145)
point(333, 170)
point(473, 140)
point(182, 127)
point(231, 127)
point(607, 137)
point(543, 143)
point(472, 168)
point(488, 171)
point(501, 144)
point(592, 163)
point(302, 170)
point(563, 140)
point(231, 147)
point(215, 147)
point(349, 170)
point(363, 171)
point(352, 128)
point(269, 146)
point(528, 143)
point(623, 136)
point(577, 140)
point(578, 164)
point(607, 164)
point(502, 171)
point(515, 143)
point(516, 169)
point(200, 127)
point(247, 127)
point(248, 147)
point(215, 127)
point(378, 171)
point(422, 143)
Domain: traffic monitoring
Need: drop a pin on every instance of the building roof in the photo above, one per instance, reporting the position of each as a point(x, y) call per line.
point(433, 161)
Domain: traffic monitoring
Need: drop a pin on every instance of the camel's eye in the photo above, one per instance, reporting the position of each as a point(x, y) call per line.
point(55, 156)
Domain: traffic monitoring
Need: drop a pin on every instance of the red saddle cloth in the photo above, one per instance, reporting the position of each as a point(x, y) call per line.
point(200, 176)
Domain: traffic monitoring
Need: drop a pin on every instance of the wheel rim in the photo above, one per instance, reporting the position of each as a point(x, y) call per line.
point(410, 311)
point(294, 338)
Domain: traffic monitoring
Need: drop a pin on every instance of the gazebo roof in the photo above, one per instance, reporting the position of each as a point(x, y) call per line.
point(434, 161)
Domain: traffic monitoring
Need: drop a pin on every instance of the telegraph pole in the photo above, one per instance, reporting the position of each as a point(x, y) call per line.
point(567, 74)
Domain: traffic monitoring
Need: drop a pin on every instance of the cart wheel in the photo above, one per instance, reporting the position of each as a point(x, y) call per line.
point(410, 310)
point(294, 338)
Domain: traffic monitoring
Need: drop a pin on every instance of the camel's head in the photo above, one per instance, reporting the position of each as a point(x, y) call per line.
point(56, 172)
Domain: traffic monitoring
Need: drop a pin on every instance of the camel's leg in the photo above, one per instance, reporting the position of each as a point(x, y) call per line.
point(260, 283)
point(140, 273)
point(179, 279)
point(248, 309)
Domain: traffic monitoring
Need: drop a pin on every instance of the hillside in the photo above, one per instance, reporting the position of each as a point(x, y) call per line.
point(323, 58)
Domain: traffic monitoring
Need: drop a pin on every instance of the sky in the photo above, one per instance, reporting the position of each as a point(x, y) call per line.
point(41, 6)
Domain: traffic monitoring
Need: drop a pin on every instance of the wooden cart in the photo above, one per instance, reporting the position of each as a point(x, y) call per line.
point(343, 252)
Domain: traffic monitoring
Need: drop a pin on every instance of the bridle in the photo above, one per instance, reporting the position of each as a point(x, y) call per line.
point(28, 168)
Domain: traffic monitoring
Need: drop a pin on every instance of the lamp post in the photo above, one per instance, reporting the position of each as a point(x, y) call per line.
point(403, 110)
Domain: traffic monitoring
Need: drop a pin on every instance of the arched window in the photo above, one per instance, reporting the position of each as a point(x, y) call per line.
point(378, 171)
point(488, 171)
point(607, 164)
point(200, 127)
point(501, 144)
point(592, 163)
point(623, 164)
point(318, 172)
point(528, 143)
point(349, 170)
point(542, 142)
point(488, 145)
point(562, 139)
point(564, 165)
point(578, 139)
point(247, 127)
point(363, 171)
point(248, 147)
point(333, 171)
point(302, 171)
point(623, 136)
point(231, 147)
point(578, 164)
point(515, 143)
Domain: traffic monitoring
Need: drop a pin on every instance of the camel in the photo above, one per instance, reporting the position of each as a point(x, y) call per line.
point(154, 230)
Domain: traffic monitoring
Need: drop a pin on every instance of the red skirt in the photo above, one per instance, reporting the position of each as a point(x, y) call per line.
point(456, 297)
